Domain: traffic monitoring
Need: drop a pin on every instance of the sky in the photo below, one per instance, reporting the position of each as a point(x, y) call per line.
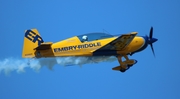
point(151, 78)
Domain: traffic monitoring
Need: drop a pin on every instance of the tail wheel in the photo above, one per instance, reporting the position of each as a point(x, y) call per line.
point(38, 54)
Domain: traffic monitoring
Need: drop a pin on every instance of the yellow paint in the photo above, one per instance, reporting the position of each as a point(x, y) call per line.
point(78, 52)
point(135, 44)
point(28, 47)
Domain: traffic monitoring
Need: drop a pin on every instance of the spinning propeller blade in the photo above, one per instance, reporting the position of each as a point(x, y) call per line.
point(152, 50)
point(152, 40)
point(151, 33)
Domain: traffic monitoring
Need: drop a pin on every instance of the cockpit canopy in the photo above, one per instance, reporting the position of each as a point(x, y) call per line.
point(94, 36)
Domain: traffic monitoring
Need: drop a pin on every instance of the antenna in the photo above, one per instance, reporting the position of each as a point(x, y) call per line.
point(104, 31)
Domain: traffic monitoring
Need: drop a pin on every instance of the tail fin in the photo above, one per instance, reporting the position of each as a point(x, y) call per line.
point(32, 39)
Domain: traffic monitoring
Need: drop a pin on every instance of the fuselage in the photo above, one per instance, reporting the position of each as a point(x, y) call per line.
point(74, 47)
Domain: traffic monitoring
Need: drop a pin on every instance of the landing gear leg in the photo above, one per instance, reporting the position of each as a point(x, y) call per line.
point(125, 65)
point(128, 61)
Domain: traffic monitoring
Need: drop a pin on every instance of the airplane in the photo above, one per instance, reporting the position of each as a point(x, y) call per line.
point(90, 44)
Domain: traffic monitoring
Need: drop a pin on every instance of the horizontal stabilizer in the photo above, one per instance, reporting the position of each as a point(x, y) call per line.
point(44, 46)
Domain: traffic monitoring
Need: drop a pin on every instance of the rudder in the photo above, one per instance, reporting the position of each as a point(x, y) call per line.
point(32, 39)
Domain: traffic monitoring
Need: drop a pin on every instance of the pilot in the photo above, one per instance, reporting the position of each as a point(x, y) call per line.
point(84, 38)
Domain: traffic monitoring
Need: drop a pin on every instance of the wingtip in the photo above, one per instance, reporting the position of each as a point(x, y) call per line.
point(134, 33)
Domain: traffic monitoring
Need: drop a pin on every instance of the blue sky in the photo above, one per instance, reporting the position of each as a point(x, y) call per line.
point(150, 78)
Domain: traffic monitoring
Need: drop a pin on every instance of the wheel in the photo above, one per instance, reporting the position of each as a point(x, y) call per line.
point(122, 70)
point(38, 54)
point(130, 65)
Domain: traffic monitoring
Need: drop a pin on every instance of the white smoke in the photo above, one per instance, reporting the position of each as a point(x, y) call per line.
point(13, 64)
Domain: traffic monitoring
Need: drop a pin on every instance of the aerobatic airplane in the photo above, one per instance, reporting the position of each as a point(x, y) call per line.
point(91, 44)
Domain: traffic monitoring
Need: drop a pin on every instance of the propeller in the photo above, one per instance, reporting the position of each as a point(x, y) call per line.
point(151, 40)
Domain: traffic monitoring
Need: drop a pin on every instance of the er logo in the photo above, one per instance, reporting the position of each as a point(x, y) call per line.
point(32, 36)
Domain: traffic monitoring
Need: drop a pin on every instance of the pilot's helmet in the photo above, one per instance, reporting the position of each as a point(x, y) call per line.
point(84, 38)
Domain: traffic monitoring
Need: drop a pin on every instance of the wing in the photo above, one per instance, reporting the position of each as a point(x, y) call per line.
point(119, 43)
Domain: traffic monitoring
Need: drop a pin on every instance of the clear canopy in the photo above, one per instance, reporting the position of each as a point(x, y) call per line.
point(94, 36)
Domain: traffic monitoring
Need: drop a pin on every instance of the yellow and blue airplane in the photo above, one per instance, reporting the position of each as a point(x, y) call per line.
point(90, 44)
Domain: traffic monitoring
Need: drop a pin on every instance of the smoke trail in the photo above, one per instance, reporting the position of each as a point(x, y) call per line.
point(13, 64)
